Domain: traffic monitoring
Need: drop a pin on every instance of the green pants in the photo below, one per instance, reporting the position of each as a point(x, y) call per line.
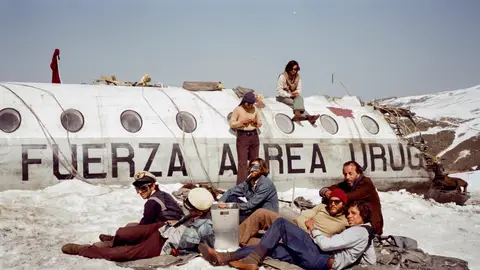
point(295, 103)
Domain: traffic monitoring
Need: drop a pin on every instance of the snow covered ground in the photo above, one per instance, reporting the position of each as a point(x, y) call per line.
point(460, 104)
point(35, 224)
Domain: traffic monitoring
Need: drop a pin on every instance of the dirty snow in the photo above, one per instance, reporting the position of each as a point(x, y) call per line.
point(35, 224)
point(462, 104)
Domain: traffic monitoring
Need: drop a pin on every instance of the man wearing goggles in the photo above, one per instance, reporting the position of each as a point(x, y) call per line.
point(159, 207)
point(151, 240)
point(258, 189)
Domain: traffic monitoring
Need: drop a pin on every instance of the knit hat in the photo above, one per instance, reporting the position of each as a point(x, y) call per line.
point(200, 199)
point(143, 177)
point(249, 98)
point(339, 194)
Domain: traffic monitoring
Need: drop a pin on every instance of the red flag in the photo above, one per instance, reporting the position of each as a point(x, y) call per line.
point(341, 112)
point(54, 67)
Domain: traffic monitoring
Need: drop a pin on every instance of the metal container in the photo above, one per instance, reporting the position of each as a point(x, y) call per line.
point(225, 224)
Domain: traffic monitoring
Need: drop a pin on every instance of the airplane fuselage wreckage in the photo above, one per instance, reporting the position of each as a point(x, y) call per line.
point(104, 133)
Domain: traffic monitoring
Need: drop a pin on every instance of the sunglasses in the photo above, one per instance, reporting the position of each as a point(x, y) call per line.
point(254, 168)
point(335, 201)
point(143, 188)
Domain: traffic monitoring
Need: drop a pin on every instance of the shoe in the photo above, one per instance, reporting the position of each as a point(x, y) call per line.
point(73, 249)
point(244, 266)
point(105, 237)
point(213, 257)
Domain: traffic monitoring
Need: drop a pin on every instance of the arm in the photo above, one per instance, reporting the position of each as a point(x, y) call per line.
point(306, 215)
point(361, 192)
point(281, 92)
point(237, 191)
point(234, 123)
point(207, 235)
point(347, 239)
point(324, 190)
point(260, 196)
point(150, 212)
point(258, 121)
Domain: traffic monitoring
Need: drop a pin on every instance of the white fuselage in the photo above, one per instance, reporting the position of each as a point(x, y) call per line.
point(41, 152)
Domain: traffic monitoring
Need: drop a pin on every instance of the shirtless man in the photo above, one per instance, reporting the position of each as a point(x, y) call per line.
point(245, 121)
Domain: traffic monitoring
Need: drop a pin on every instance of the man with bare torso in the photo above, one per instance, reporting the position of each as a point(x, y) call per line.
point(245, 121)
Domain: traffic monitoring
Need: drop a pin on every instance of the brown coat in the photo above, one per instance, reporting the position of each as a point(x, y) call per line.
point(365, 191)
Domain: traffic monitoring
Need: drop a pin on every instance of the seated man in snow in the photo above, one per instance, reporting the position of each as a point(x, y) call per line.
point(350, 247)
point(329, 219)
point(160, 205)
point(289, 88)
point(258, 189)
point(147, 241)
point(359, 188)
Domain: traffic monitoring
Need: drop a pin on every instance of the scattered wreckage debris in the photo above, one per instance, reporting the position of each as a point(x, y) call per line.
point(202, 86)
point(443, 189)
point(112, 80)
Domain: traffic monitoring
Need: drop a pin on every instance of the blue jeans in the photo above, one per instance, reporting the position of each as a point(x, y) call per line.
point(298, 247)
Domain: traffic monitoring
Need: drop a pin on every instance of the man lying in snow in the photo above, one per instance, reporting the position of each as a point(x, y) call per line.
point(359, 188)
point(329, 219)
point(147, 241)
point(352, 246)
point(258, 189)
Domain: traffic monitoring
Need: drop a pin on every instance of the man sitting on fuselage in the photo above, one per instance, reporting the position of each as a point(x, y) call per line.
point(329, 219)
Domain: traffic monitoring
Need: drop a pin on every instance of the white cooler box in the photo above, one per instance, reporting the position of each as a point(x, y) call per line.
point(225, 224)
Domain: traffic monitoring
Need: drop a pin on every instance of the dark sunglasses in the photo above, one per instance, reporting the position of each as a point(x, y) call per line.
point(335, 201)
point(143, 188)
point(254, 168)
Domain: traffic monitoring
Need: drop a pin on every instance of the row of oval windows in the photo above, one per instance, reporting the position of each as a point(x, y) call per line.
point(72, 120)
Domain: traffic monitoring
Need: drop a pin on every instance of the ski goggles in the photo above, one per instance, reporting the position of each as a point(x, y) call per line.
point(143, 188)
point(254, 168)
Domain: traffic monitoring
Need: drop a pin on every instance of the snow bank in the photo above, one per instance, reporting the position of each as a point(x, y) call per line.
point(35, 224)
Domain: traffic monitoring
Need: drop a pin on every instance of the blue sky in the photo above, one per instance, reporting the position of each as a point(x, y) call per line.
point(378, 48)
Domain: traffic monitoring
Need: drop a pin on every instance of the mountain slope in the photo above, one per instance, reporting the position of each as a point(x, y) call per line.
point(450, 123)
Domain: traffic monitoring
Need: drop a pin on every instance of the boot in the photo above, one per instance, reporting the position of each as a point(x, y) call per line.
point(252, 260)
point(105, 237)
point(213, 257)
point(73, 249)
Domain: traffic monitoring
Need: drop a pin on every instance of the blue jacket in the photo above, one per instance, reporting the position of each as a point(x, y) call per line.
point(263, 195)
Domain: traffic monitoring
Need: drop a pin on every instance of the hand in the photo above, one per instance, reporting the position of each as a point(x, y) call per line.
point(309, 224)
point(171, 222)
point(246, 121)
point(327, 194)
point(222, 205)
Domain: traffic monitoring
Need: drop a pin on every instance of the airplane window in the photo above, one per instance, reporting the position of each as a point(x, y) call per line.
point(186, 122)
point(72, 120)
point(370, 124)
point(131, 121)
point(10, 120)
point(284, 123)
point(329, 124)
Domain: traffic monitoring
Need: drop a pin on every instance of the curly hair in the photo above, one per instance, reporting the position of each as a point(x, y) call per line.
point(365, 210)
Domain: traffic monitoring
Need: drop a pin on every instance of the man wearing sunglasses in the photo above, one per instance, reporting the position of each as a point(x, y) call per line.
point(259, 191)
point(159, 207)
point(358, 187)
point(151, 240)
point(329, 219)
